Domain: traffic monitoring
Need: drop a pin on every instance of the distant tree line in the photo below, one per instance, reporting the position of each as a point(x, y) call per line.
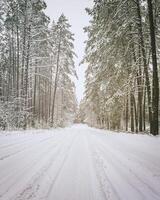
point(36, 67)
point(123, 58)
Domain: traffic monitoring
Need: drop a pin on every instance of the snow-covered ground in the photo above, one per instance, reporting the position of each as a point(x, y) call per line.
point(79, 163)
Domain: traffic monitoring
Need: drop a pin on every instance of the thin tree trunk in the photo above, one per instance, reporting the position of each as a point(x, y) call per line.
point(24, 45)
point(45, 100)
point(39, 98)
point(50, 96)
point(34, 96)
point(135, 114)
point(127, 113)
point(140, 29)
point(56, 79)
point(9, 75)
point(144, 110)
point(1, 75)
point(132, 111)
point(18, 64)
point(140, 93)
point(13, 61)
point(26, 76)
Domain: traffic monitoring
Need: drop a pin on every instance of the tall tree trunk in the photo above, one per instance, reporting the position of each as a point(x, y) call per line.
point(1, 83)
point(46, 102)
point(42, 104)
point(56, 78)
point(135, 114)
point(24, 45)
point(140, 93)
point(141, 38)
point(9, 73)
point(138, 86)
point(18, 64)
point(13, 61)
point(39, 98)
point(132, 111)
point(34, 95)
point(127, 113)
point(140, 98)
point(144, 110)
point(50, 95)
point(155, 86)
point(26, 75)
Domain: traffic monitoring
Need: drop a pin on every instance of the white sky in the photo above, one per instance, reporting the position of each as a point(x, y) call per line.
point(74, 10)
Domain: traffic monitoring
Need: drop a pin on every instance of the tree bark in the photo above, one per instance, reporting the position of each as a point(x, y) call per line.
point(132, 111)
point(135, 114)
point(56, 79)
point(140, 93)
point(24, 45)
point(144, 110)
point(127, 114)
point(141, 38)
point(155, 83)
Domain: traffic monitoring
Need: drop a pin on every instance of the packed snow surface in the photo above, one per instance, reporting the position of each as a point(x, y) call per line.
point(79, 163)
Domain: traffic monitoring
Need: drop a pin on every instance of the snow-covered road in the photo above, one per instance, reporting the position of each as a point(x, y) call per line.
point(79, 163)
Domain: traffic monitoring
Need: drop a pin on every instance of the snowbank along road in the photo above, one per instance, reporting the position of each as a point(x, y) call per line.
point(79, 163)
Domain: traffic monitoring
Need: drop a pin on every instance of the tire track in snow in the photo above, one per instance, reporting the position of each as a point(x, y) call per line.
point(77, 179)
point(79, 164)
point(139, 156)
point(65, 156)
point(103, 186)
point(125, 172)
point(24, 149)
point(18, 157)
point(136, 166)
point(25, 170)
point(106, 185)
point(33, 186)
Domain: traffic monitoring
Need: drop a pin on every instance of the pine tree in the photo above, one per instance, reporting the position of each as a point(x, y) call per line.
point(118, 57)
point(64, 59)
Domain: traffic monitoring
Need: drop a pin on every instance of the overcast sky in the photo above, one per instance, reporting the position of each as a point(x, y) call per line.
point(74, 10)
